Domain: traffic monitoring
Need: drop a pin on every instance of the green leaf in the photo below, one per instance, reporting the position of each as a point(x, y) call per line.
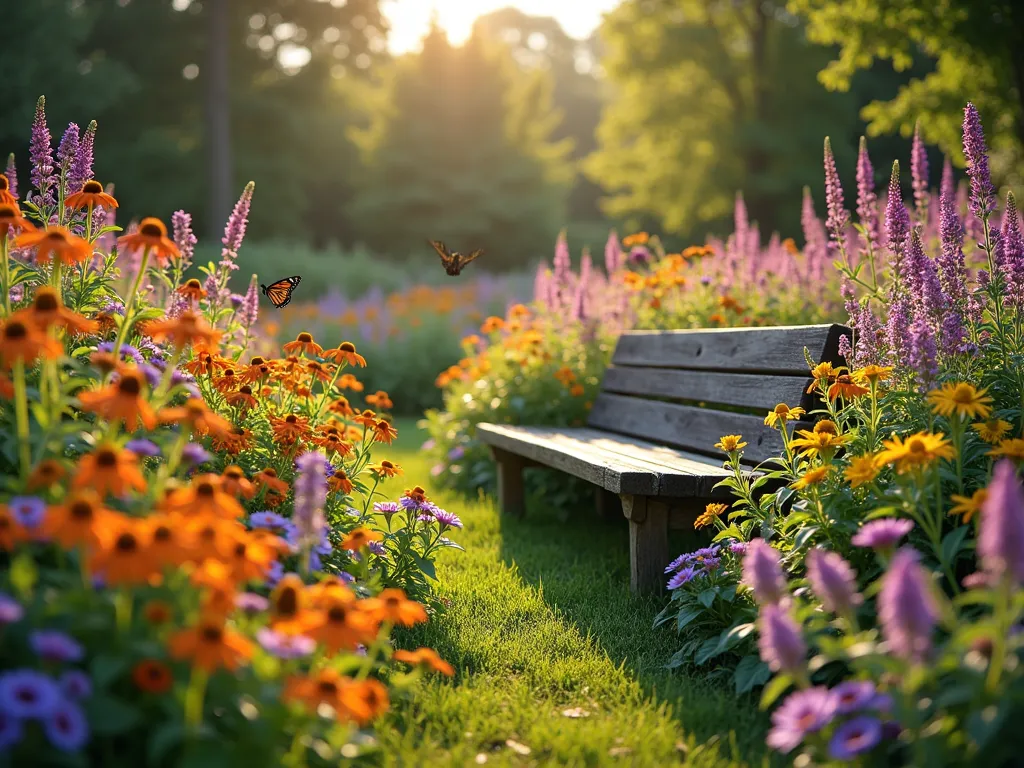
point(686, 616)
point(750, 673)
point(109, 716)
point(952, 542)
point(732, 532)
point(983, 724)
point(24, 574)
point(707, 596)
point(106, 668)
point(163, 740)
point(880, 512)
point(775, 688)
point(803, 536)
point(708, 650)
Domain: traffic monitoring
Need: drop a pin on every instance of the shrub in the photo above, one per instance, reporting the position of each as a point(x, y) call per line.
point(193, 560)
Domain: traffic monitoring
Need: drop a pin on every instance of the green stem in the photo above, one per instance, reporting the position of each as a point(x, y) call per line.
point(21, 416)
point(123, 610)
point(194, 699)
point(995, 667)
point(6, 265)
point(130, 306)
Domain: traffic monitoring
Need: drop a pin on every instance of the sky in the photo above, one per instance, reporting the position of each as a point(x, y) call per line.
point(410, 19)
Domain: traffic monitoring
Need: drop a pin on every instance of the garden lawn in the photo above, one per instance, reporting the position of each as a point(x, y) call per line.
point(556, 663)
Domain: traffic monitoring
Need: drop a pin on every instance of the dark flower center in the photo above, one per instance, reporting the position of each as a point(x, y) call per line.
point(240, 549)
point(129, 385)
point(15, 331)
point(212, 634)
point(287, 602)
point(46, 301)
point(337, 615)
point(257, 361)
point(106, 458)
point(81, 510)
point(151, 229)
point(126, 543)
point(291, 419)
point(93, 187)
point(233, 474)
point(193, 283)
point(246, 390)
point(59, 237)
point(205, 490)
point(270, 472)
point(26, 695)
point(162, 534)
point(347, 346)
point(5, 185)
point(304, 337)
point(326, 688)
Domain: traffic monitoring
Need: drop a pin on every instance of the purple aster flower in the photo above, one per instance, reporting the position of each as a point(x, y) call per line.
point(10, 610)
point(41, 154)
point(919, 172)
point(285, 646)
point(838, 216)
point(906, 607)
point(678, 563)
point(75, 684)
point(250, 602)
point(456, 453)
point(706, 552)
point(447, 519)
point(712, 563)
point(779, 641)
point(66, 727)
point(377, 548)
point(268, 520)
point(387, 508)
point(685, 575)
point(763, 573)
point(739, 548)
point(11, 731)
point(81, 167)
point(803, 712)
point(1001, 533)
point(12, 175)
point(853, 695)
point(833, 581)
point(867, 201)
point(114, 307)
point(193, 454)
point(143, 447)
point(126, 351)
point(347, 577)
point(29, 511)
point(854, 737)
point(274, 573)
point(897, 220)
point(426, 517)
point(883, 534)
point(26, 693)
point(55, 646)
point(184, 238)
point(982, 201)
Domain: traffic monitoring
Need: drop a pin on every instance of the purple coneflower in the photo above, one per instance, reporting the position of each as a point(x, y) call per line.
point(26, 693)
point(763, 573)
point(66, 727)
point(982, 200)
point(1001, 532)
point(906, 607)
point(854, 737)
point(833, 581)
point(55, 646)
point(779, 641)
point(29, 511)
point(803, 712)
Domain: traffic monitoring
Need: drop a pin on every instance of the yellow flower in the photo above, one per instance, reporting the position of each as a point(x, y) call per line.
point(782, 413)
point(812, 477)
point(917, 450)
point(823, 439)
point(992, 430)
point(826, 426)
point(968, 506)
point(707, 517)
point(961, 398)
point(873, 373)
point(1012, 448)
point(824, 373)
point(730, 443)
point(862, 470)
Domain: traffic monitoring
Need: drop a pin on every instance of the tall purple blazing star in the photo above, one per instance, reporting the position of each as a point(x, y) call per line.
point(41, 154)
point(982, 200)
point(867, 201)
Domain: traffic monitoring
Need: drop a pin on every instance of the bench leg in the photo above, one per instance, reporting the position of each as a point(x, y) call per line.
point(648, 543)
point(609, 506)
point(511, 494)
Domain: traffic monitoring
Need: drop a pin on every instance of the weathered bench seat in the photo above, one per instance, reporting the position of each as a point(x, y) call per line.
point(665, 401)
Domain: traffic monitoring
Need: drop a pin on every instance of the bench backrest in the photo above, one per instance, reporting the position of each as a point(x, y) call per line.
point(688, 388)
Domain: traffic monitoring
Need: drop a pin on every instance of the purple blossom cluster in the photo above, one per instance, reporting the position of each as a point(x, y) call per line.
point(854, 709)
point(694, 565)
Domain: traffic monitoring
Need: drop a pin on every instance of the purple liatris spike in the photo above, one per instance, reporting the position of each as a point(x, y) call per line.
point(867, 201)
point(184, 238)
point(762, 572)
point(562, 262)
point(1012, 242)
point(906, 607)
point(838, 216)
point(613, 254)
point(12, 175)
point(919, 173)
point(922, 353)
point(897, 220)
point(234, 230)
point(41, 154)
point(833, 581)
point(948, 186)
point(897, 330)
point(68, 148)
point(1001, 534)
point(779, 641)
point(310, 497)
point(250, 308)
point(869, 333)
point(846, 350)
point(982, 199)
point(922, 279)
point(540, 283)
point(952, 270)
point(579, 302)
point(81, 166)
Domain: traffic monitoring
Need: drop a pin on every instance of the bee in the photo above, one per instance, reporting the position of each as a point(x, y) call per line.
point(453, 261)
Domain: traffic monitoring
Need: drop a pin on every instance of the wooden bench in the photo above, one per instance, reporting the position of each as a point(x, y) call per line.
point(665, 401)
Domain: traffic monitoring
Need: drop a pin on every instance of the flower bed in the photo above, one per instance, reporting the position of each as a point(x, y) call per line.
point(196, 563)
point(881, 582)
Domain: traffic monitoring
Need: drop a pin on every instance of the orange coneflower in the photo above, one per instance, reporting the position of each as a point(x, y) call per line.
point(427, 657)
point(303, 345)
point(383, 432)
point(10, 217)
point(367, 418)
point(6, 196)
point(340, 406)
point(268, 479)
point(380, 400)
point(332, 440)
point(233, 480)
point(210, 644)
point(198, 415)
point(348, 381)
point(343, 623)
point(243, 399)
point(151, 235)
point(204, 496)
point(250, 557)
point(319, 371)
point(45, 474)
point(393, 606)
point(289, 612)
point(359, 538)
point(211, 538)
point(232, 442)
point(105, 323)
point(79, 520)
point(350, 700)
point(105, 362)
point(21, 340)
point(11, 531)
point(152, 676)
point(170, 543)
point(47, 309)
point(157, 612)
point(386, 469)
point(290, 428)
point(339, 482)
point(123, 556)
point(122, 400)
point(345, 353)
point(109, 470)
point(258, 370)
point(226, 382)
point(192, 290)
point(91, 194)
point(846, 387)
point(187, 328)
point(55, 241)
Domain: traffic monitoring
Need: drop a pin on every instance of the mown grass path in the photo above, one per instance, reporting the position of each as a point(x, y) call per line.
point(553, 654)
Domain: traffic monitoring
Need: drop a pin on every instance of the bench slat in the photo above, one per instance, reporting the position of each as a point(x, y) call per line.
point(763, 392)
point(750, 350)
point(684, 426)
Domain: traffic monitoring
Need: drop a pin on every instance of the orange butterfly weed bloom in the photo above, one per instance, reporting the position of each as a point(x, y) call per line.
point(290, 428)
point(204, 496)
point(187, 328)
point(303, 345)
point(91, 193)
point(80, 519)
point(122, 400)
point(109, 470)
point(345, 353)
point(6, 196)
point(386, 469)
point(123, 555)
point(152, 676)
point(243, 399)
point(47, 309)
point(339, 482)
point(192, 290)
point(151, 235)
point(46, 473)
point(21, 340)
point(11, 531)
point(232, 442)
point(380, 401)
point(55, 241)
point(393, 606)
point(268, 479)
point(210, 644)
point(289, 611)
point(11, 218)
point(198, 416)
point(426, 657)
point(383, 432)
point(342, 623)
point(233, 480)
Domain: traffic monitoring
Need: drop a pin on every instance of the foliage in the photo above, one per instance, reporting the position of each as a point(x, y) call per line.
point(194, 562)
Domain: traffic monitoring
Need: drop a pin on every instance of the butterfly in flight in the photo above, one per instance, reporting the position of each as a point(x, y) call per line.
point(280, 293)
point(453, 261)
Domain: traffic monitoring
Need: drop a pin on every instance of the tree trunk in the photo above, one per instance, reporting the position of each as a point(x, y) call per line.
point(218, 125)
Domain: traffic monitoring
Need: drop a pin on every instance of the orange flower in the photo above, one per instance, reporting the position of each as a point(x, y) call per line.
point(358, 701)
point(242, 399)
point(427, 657)
point(576, 390)
point(250, 557)
point(192, 290)
point(258, 370)
point(105, 323)
point(289, 613)
point(846, 387)
point(123, 556)
point(639, 238)
point(109, 470)
point(268, 479)
point(152, 236)
point(342, 623)
point(91, 194)
point(21, 340)
point(210, 644)
point(187, 328)
point(47, 309)
point(233, 442)
point(170, 542)
point(289, 429)
point(339, 482)
point(359, 538)
point(233, 480)
point(55, 241)
point(380, 401)
point(226, 382)
point(10, 217)
point(6, 196)
point(205, 496)
point(345, 353)
point(157, 612)
point(492, 324)
point(151, 676)
point(386, 469)
point(123, 400)
point(81, 519)
point(383, 432)
point(393, 606)
point(11, 531)
point(198, 415)
point(304, 345)
point(45, 474)
point(348, 381)
point(417, 494)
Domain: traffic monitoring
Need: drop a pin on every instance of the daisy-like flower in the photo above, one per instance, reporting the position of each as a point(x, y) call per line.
point(348, 381)
point(289, 428)
point(79, 520)
point(28, 511)
point(915, 452)
point(243, 399)
point(303, 345)
point(108, 470)
point(6, 195)
point(492, 324)
point(384, 432)
point(730, 443)
point(426, 657)
point(824, 374)
point(11, 218)
point(192, 289)
point(210, 644)
point(359, 538)
point(258, 370)
point(48, 309)
point(1011, 448)
point(339, 482)
point(198, 416)
point(343, 622)
point(233, 480)
point(345, 353)
point(55, 242)
point(822, 440)
point(269, 480)
point(683, 576)
point(91, 194)
point(204, 496)
point(226, 382)
point(393, 606)
point(854, 737)
point(963, 399)
point(25, 693)
point(122, 556)
point(20, 339)
point(386, 468)
point(187, 328)
point(845, 386)
point(873, 373)
point(992, 430)
point(447, 519)
point(46, 473)
point(709, 515)
point(812, 477)
point(803, 712)
point(380, 401)
point(968, 506)
point(782, 413)
point(151, 676)
point(151, 235)
point(862, 470)
point(55, 646)
point(122, 401)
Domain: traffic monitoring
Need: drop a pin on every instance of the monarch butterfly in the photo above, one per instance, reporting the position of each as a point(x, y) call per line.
point(453, 261)
point(280, 293)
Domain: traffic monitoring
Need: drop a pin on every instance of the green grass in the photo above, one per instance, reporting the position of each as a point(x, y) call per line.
point(540, 620)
